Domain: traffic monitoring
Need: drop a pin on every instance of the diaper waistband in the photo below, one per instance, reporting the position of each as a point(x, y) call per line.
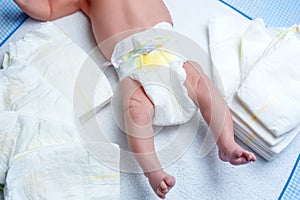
point(142, 42)
point(164, 25)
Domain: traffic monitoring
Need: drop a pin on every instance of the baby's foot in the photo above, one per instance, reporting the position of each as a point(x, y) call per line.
point(160, 182)
point(237, 155)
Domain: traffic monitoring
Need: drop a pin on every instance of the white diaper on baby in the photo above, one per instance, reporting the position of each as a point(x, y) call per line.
point(145, 58)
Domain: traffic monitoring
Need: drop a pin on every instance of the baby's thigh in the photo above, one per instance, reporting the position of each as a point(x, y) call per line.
point(133, 94)
point(195, 79)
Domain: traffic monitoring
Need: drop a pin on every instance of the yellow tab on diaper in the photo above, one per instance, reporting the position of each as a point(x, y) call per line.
point(153, 60)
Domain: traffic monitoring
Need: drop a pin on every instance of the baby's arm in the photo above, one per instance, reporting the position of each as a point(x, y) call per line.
point(48, 9)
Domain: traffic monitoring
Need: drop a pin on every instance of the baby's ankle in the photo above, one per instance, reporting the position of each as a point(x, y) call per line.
point(228, 148)
point(158, 172)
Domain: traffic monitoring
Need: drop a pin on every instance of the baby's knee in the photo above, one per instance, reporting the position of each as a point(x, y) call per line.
point(194, 74)
point(195, 80)
point(140, 109)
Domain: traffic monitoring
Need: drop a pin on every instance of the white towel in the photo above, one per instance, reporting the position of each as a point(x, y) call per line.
point(271, 91)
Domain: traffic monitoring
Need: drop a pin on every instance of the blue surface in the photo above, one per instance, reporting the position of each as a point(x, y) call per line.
point(276, 13)
point(291, 190)
point(11, 18)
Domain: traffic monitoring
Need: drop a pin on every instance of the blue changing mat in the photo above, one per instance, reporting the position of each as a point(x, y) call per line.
point(291, 189)
point(11, 18)
point(276, 13)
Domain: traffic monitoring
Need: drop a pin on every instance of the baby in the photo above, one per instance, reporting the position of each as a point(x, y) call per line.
point(114, 23)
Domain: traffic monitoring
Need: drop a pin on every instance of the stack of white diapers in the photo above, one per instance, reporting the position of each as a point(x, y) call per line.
point(259, 71)
point(41, 154)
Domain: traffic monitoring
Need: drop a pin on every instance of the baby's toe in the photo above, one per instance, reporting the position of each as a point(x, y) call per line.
point(169, 181)
point(251, 157)
point(163, 187)
point(161, 194)
point(239, 161)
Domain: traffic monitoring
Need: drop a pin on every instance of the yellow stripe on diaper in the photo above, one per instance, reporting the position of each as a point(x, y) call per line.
point(116, 175)
point(19, 157)
point(265, 106)
point(241, 49)
point(84, 98)
point(153, 60)
point(250, 138)
point(254, 116)
point(64, 33)
point(154, 43)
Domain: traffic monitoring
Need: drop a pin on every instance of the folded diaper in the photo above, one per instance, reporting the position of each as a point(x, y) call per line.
point(48, 63)
point(60, 172)
point(268, 64)
point(225, 35)
point(255, 135)
point(8, 139)
point(26, 92)
point(26, 132)
point(144, 57)
point(257, 128)
point(46, 160)
point(271, 91)
point(19, 133)
point(3, 87)
point(41, 155)
point(257, 41)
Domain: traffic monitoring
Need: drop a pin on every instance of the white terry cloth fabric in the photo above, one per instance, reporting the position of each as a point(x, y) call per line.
point(59, 60)
point(146, 57)
point(225, 34)
point(271, 90)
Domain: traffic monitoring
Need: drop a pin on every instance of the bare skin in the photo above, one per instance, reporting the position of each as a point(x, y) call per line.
point(114, 20)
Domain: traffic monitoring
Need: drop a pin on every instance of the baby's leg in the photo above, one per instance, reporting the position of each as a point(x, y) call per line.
point(138, 113)
point(216, 114)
